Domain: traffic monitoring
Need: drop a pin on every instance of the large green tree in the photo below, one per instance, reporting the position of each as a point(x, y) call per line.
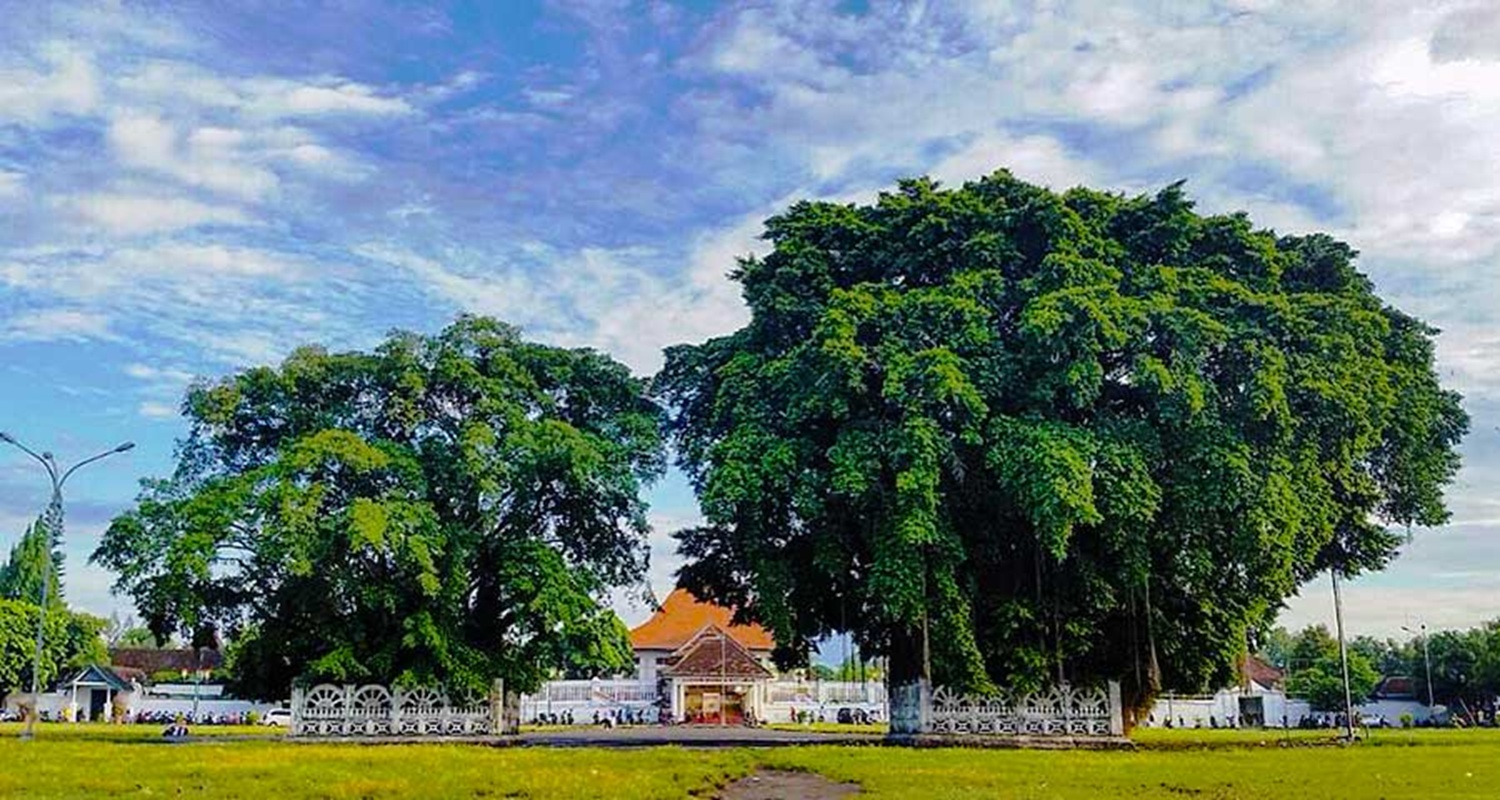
point(448, 508)
point(1022, 436)
point(32, 560)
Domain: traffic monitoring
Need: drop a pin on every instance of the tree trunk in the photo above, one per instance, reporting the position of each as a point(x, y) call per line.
point(906, 661)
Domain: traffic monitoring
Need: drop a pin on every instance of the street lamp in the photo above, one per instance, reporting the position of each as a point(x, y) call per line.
point(53, 521)
point(1426, 662)
point(1338, 617)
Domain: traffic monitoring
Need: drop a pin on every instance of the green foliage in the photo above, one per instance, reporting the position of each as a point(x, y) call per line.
point(1274, 647)
point(33, 557)
point(445, 509)
point(137, 636)
point(1387, 656)
point(1317, 676)
point(72, 641)
point(1465, 667)
point(1038, 436)
point(852, 670)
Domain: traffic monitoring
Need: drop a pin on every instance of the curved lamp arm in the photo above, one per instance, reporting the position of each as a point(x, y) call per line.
point(91, 459)
point(44, 458)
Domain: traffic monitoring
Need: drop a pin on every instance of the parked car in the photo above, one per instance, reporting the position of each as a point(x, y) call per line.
point(280, 717)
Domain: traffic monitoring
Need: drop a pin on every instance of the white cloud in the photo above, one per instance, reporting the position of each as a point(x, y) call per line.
point(280, 98)
point(133, 214)
point(618, 300)
point(143, 141)
point(64, 82)
point(1036, 158)
point(1376, 606)
point(212, 303)
point(152, 409)
point(170, 375)
point(215, 158)
point(57, 324)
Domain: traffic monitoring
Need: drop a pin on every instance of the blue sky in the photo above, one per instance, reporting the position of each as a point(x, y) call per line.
point(187, 189)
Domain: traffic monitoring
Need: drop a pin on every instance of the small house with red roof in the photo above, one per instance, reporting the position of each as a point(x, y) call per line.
point(706, 666)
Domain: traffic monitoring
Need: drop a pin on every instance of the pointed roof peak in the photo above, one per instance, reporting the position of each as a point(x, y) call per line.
point(682, 617)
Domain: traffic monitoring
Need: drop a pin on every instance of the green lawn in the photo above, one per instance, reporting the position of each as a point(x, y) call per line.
point(104, 761)
point(96, 730)
point(1469, 770)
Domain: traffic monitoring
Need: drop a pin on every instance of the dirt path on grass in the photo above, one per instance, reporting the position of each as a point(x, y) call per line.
point(778, 785)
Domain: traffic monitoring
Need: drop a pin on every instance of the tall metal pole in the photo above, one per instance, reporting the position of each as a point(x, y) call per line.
point(1427, 661)
point(1338, 617)
point(197, 679)
point(53, 520)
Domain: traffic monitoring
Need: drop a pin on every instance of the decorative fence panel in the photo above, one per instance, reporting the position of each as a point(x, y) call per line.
point(377, 711)
point(1059, 711)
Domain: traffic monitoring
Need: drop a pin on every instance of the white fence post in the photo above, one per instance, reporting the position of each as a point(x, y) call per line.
point(1116, 710)
point(297, 697)
point(497, 707)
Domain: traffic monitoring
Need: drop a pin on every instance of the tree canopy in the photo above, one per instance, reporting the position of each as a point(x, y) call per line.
point(1465, 668)
point(72, 639)
point(1025, 436)
point(33, 559)
point(444, 509)
point(1316, 672)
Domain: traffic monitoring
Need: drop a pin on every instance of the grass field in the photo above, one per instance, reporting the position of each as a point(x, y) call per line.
point(101, 761)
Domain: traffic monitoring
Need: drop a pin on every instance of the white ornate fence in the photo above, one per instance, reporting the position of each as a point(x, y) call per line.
point(1058, 711)
point(377, 711)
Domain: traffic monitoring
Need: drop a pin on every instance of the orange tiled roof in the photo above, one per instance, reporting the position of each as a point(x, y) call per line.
point(682, 616)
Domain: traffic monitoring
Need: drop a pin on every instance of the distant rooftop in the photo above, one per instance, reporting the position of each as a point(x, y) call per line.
point(152, 660)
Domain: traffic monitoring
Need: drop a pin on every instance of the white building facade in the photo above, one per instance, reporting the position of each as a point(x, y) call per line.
point(695, 665)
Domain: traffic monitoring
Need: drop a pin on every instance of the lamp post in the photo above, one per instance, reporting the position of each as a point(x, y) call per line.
point(1426, 662)
point(1338, 616)
point(53, 519)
